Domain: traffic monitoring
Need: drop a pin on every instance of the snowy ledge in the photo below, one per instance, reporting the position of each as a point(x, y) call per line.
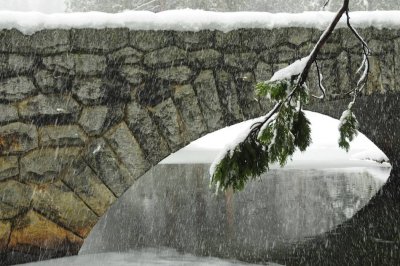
point(190, 20)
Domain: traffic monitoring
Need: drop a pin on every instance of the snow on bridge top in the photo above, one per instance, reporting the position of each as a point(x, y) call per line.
point(190, 20)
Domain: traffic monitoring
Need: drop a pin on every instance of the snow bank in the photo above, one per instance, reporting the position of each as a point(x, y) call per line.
point(190, 20)
point(323, 152)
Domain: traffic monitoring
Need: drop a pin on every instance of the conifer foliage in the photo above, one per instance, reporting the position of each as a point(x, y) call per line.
point(276, 136)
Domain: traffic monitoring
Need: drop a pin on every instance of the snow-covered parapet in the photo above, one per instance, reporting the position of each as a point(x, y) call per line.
point(190, 20)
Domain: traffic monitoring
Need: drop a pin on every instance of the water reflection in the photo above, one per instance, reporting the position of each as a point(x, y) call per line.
point(172, 206)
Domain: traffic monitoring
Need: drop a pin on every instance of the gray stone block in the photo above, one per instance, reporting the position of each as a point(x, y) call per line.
point(134, 74)
point(21, 64)
point(15, 89)
point(180, 74)
point(62, 63)
point(208, 98)
point(70, 135)
point(8, 113)
point(127, 149)
point(127, 55)
point(49, 109)
point(165, 57)
point(89, 91)
point(242, 61)
point(51, 82)
point(189, 40)
point(146, 132)
point(105, 163)
point(207, 58)
point(188, 106)
point(170, 124)
point(228, 97)
point(15, 198)
point(89, 64)
point(150, 40)
point(45, 165)
point(91, 40)
point(93, 119)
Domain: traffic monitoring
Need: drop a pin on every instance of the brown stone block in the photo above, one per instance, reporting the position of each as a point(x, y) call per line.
point(34, 231)
point(5, 230)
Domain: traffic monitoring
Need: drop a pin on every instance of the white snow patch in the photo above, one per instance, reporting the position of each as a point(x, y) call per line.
point(323, 153)
point(191, 20)
point(293, 69)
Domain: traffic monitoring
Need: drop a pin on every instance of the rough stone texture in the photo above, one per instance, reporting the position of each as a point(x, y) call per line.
point(207, 95)
point(90, 91)
point(49, 109)
point(170, 124)
point(20, 64)
point(165, 56)
point(243, 61)
point(179, 74)
point(36, 232)
point(70, 135)
point(52, 82)
point(263, 72)
point(58, 203)
point(281, 54)
point(45, 165)
point(194, 40)
point(228, 40)
point(5, 231)
point(127, 149)
point(89, 64)
point(93, 119)
point(63, 63)
point(8, 167)
point(207, 58)
point(42, 42)
point(15, 198)
point(146, 133)
point(127, 55)
point(17, 138)
point(245, 88)
point(89, 40)
point(8, 113)
point(186, 103)
point(84, 182)
point(134, 74)
point(228, 97)
point(15, 89)
point(105, 163)
point(150, 40)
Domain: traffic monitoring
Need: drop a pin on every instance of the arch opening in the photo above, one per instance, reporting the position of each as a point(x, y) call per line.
point(172, 205)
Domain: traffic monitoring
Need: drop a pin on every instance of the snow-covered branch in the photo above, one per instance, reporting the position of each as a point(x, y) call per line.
point(276, 136)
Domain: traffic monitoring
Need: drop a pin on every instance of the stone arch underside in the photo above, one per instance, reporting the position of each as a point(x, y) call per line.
point(84, 113)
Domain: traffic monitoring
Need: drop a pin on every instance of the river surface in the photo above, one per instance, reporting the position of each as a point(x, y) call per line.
point(172, 206)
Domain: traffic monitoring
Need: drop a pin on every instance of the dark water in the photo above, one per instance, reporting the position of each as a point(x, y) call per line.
point(172, 206)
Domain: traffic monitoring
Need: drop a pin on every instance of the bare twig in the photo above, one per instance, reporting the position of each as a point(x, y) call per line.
point(326, 4)
point(320, 85)
point(365, 63)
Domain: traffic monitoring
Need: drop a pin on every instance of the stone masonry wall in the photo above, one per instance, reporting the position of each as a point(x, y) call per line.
point(84, 113)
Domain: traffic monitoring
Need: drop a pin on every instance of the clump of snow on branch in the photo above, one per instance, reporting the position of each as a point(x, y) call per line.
point(291, 70)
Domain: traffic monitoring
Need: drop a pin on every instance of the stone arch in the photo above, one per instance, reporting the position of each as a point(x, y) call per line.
point(82, 118)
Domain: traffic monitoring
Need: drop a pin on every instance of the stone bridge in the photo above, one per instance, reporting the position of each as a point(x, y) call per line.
point(84, 113)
